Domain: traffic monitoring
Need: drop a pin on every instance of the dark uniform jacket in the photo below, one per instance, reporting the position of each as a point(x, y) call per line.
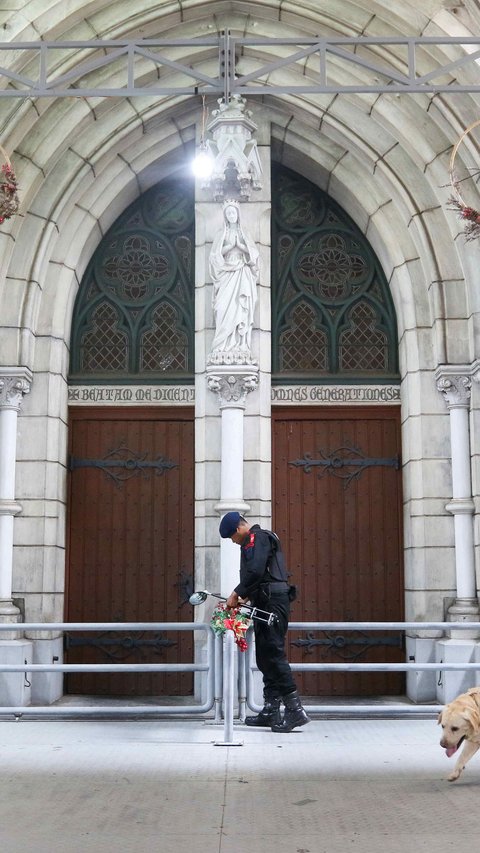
point(261, 561)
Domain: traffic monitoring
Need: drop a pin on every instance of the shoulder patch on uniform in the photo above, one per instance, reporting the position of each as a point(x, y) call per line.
point(249, 546)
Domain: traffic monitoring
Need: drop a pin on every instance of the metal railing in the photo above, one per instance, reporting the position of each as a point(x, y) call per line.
point(219, 670)
point(96, 710)
point(361, 709)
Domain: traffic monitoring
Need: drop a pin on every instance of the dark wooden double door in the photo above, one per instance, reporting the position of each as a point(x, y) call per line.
point(130, 544)
point(338, 509)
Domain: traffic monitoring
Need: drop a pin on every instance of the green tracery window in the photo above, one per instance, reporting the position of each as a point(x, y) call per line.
point(134, 316)
point(332, 311)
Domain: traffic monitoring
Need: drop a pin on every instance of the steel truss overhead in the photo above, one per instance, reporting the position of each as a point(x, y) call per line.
point(369, 64)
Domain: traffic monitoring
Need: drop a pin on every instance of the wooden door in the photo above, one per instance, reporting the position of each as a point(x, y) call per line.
point(338, 509)
point(130, 544)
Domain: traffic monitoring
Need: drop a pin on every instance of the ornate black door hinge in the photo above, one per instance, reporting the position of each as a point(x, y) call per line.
point(117, 646)
point(122, 463)
point(340, 645)
point(347, 463)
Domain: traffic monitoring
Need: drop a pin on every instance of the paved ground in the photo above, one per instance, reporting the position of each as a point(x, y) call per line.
point(146, 786)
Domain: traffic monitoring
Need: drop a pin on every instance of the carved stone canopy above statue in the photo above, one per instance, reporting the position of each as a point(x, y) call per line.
point(237, 168)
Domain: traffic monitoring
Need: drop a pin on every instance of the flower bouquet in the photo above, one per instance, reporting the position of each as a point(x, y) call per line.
point(9, 201)
point(469, 216)
point(467, 179)
point(231, 619)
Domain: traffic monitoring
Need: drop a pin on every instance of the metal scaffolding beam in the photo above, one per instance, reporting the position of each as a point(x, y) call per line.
point(163, 67)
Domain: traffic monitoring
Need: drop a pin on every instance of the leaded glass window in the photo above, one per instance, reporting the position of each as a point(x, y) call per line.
point(134, 315)
point(103, 346)
point(332, 311)
point(303, 344)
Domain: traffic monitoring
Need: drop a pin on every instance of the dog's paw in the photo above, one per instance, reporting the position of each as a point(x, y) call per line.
point(454, 776)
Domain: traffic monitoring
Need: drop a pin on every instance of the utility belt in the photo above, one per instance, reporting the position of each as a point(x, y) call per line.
point(266, 589)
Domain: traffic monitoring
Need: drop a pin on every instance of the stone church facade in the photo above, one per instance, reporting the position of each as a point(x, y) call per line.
point(347, 419)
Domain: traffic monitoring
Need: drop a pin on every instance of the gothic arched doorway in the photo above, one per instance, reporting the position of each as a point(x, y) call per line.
point(337, 487)
point(131, 472)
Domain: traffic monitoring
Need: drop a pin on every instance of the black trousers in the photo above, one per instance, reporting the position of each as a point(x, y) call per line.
point(270, 646)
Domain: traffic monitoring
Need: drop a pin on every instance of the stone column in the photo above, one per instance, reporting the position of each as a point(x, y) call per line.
point(454, 382)
point(14, 384)
point(231, 383)
point(455, 385)
point(237, 235)
point(15, 688)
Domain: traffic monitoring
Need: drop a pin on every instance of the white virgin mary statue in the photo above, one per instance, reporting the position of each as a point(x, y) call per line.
point(234, 272)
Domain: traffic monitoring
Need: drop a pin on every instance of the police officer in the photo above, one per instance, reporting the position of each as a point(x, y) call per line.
point(264, 582)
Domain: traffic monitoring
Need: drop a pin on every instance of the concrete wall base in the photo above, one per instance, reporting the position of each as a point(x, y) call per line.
point(15, 687)
point(421, 686)
point(450, 684)
point(47, 687)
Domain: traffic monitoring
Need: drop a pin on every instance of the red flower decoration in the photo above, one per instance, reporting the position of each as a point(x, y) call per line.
point(231, 619)
point(470, 215)
point(9, 201)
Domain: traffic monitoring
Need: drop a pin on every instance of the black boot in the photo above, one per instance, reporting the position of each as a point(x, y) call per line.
point(295, 715)
point(268, 716)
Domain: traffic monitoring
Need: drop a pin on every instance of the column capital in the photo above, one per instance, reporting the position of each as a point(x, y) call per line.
point(15, 382)
point(454, 381)
point(232, 383)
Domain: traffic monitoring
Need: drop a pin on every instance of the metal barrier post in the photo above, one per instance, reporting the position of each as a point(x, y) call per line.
point(242, 687)
point(228, 690)
point(218, 678)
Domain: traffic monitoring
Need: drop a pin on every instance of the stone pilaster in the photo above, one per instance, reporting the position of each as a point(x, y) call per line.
point(455, 382)
point(14, 384)
point(232, 384)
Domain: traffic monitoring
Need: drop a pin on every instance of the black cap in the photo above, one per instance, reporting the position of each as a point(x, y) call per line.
point(229, 524)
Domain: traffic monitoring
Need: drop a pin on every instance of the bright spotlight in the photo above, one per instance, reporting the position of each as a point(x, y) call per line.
point(202, 165)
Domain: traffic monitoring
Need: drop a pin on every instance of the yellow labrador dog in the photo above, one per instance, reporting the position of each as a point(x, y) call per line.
point(460, 721)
